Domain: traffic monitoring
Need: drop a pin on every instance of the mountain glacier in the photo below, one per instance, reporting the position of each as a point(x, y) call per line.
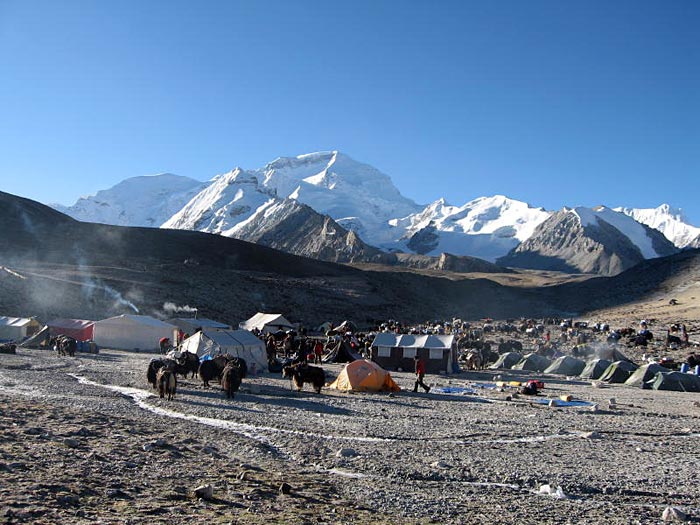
point(339, 194)
point(669, 221)
point(137, 201)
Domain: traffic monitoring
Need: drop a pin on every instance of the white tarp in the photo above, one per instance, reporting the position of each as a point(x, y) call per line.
point(133, 332)
point(266, 323)
point(392, 340)
point(238, 343)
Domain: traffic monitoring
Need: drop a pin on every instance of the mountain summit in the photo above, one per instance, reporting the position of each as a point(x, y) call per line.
point(669, 221)
point(586, 240)
point(148, 200)
point(330, 206)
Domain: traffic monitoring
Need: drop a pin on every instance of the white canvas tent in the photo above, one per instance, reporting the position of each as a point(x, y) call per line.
point(17, 328)
point(392, 351)
point(266, 323)
point(132, 332)
point(238, 343)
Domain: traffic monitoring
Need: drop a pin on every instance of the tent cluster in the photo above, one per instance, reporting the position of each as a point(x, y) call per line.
point(137, 332)
point(622, 370)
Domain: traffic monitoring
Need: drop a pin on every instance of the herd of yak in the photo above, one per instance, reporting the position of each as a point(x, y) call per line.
point(229, 371)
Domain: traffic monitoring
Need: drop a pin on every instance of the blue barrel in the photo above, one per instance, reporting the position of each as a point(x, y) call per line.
point(684, 368)
point(697, 370)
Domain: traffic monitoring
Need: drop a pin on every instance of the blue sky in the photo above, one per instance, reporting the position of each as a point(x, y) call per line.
point(554, 103)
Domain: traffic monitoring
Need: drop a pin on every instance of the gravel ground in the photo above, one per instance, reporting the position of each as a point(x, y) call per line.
point(85, 440)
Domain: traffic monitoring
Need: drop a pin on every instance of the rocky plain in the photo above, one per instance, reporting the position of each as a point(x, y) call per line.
point(87, 440)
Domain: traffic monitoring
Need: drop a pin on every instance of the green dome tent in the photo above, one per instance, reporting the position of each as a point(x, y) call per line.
point(645, 373)
point(566, 365)
point(595, 368)
point(507, 360)
point(533, 362)
point(618, 372)
point(676, 381)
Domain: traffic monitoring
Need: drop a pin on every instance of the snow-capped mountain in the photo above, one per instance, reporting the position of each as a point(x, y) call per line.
point(358, 196)
point(288, 225)
point(137, 201)
point(669, 221)
point(361, 199)
point(329, 206)
point(598, 240)
point(487, 227)
point(235, 205)
point(229, 200)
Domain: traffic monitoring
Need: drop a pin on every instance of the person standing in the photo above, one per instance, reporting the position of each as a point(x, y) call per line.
point(420, 374)
point(318, 352)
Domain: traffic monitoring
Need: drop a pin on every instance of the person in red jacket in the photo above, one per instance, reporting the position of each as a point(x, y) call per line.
point(420, 374)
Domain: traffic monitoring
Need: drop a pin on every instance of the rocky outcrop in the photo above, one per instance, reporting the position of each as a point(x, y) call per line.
point(424, 240)
point(296, 228)
point(566, 243)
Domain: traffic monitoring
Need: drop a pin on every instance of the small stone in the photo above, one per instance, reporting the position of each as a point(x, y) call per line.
point(593, 409)
point(285, 488)
point(346, 453)
point(440, 464)
point(71, 443)
point(205, 492)
point(116, 493)
point(592, 435)
point(674, 514)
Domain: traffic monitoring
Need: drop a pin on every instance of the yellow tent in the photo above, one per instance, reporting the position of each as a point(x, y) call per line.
point(364, 376)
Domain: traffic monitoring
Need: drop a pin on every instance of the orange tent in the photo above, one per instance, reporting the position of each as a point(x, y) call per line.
point(364, 376)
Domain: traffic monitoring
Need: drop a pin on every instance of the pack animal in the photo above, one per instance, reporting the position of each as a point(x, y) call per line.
point(8, 348)
point(167, 383)
point(673, 339)
point(231, 379)
point(474, 360)
point(213, 368)
point(64, 345)
point(187, 363)
point(300, 374)
point(693, 360)
point(154, 366)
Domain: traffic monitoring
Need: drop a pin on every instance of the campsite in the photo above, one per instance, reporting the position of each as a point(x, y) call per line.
point(87, 438)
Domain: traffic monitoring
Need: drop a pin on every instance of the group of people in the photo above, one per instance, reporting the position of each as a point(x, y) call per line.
point(288, 346)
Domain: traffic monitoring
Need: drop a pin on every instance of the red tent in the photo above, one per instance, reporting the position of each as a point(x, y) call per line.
point(79, 329)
